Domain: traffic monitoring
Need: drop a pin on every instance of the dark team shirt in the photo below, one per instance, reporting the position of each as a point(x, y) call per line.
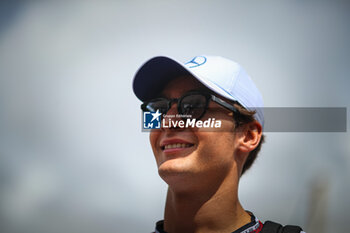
point(254, 226)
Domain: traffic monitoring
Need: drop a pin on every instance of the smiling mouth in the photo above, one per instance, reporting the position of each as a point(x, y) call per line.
point(176, 146)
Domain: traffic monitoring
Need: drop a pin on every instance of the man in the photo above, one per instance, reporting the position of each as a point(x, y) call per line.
point(202, 165)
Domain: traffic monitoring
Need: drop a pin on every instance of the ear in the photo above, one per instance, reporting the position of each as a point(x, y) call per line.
point(249, 136)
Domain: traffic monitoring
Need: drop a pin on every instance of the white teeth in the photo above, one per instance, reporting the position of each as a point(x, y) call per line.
point(176, 145)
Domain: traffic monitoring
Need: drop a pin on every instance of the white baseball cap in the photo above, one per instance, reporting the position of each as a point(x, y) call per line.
point(223, 76)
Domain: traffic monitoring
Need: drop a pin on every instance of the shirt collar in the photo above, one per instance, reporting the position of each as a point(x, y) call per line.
point(254, 226)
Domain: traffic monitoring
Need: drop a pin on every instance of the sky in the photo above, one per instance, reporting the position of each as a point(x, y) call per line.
point(73, 157)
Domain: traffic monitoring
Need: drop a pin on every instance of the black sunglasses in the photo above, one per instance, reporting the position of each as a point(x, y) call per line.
point(193, 103)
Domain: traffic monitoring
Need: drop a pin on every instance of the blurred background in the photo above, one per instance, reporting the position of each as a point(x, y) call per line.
point(72, 155)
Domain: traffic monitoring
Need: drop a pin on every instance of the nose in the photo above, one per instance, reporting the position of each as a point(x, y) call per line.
point(173, 112)
point(171, 118)
point(173, 108)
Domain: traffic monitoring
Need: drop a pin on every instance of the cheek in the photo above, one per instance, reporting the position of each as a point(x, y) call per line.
point(153, 138)
point(218, 147)
point(217, 143)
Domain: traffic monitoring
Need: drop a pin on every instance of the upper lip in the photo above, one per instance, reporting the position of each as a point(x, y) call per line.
point(173, 141)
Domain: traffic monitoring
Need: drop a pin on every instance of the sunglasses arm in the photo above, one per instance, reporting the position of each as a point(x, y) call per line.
point(224, 104)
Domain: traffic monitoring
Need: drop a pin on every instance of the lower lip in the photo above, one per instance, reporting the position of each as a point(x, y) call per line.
point(175, 150)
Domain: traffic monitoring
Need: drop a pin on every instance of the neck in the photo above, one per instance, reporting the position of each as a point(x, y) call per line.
point(204, 211)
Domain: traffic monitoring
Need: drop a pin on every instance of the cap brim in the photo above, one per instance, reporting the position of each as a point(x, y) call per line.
point(152, 76)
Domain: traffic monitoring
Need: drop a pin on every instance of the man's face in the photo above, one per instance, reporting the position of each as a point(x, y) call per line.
point(204, 156)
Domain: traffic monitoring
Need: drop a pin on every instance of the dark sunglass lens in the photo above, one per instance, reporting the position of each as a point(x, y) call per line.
point(153, 106)
point(193, 105)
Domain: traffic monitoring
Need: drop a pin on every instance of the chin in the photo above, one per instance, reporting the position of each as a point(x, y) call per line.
point(174, 171)
point(173, 166)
